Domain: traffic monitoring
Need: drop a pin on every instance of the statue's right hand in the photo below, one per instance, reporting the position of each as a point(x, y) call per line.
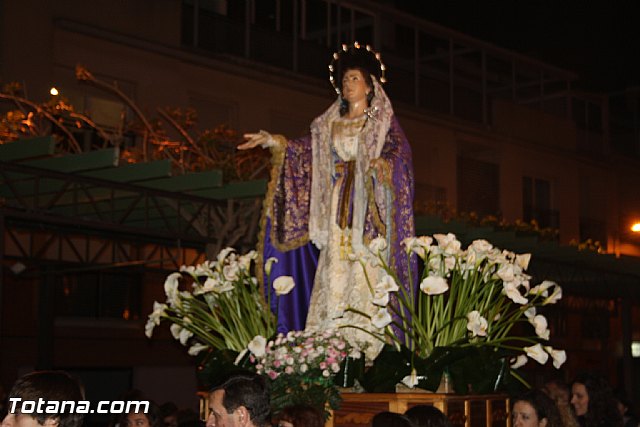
point(253, 140)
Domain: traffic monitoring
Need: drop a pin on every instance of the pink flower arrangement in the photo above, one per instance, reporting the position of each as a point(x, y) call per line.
point(301, 352)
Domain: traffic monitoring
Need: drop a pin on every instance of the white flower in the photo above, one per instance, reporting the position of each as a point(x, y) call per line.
point(171, 287)
point(530, 312)
point(240, 356)
point(448, 243)
point(418, 245)
point(542, 288)
point(512, 292)
point(196, 348)
point(185, 334)
point(231, 271)
point(188, 269)
point(387, 284)
point(537, 353)
point(381, 298)
point(381, 319)
point(506, 273)
point(258, 346)
point(540, 323)
point(519, 361)
point(558, 356)
point(223, 254)
point(148, 327)
point(378, 245)
point(411, 380)
point(245, 260)
point(211, 284)
point(202, 270)
point(555, 296)
point(523, 261)
point(481, 246)
point(269, 264)
point(283, 285)
point(158, 312)
point(477, 324)
point(180, 333)
point(175, 330)
point(434, 285)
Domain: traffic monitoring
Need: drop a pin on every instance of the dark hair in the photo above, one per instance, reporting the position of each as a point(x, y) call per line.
point(302, 416)
point(602, 408)
point(154, 416)
point(544, 406)
point(248, 390)
point(344, 105)
point(50, 386)
point(427, 416)
point(390, 419)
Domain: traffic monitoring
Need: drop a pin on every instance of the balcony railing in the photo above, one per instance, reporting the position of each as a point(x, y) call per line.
point(430, 66)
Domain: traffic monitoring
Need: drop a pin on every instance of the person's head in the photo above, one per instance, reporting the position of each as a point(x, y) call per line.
point(49, 386)
point(390, 419)
point(240, 400)
point(169, 412)
point(535, 409)
point(592, 398)
point(356, 87)
point(300, 416)
point(558, 391)
point(427, 416)
point(151, 418)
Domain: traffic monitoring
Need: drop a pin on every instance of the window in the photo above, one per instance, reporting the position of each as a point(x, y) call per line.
point(478, 186)
point(536, 202)
point(98, 295)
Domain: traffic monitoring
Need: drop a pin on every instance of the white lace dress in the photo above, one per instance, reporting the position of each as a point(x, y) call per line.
point(339, 282)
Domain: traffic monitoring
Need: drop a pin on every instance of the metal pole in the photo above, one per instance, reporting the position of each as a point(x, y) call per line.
point(45, 337)
point(2, 271)
point(451, 109)
point(196, 18)
point(485, 107)
point(416, 66)
point(247, 28)
point(295, 35)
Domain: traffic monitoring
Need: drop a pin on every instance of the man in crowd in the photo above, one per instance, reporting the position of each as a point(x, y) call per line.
point(241, 400)
point(50, 388)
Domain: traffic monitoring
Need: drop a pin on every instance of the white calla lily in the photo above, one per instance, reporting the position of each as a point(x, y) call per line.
point(536, 353)
point(283, 285)
point(477, 324)
point(258, 346)
point(558, 356)
point(381, 319)
point(434, 285)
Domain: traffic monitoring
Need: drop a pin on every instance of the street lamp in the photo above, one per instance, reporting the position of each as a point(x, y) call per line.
point(636, 227)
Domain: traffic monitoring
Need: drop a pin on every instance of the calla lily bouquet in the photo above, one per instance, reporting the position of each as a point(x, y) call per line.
point(220, 306)
point(465, 304)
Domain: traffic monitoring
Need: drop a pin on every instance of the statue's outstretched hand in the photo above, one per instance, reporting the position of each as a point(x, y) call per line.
point(253, 140)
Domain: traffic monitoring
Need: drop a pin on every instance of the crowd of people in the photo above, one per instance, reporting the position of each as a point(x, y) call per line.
point(244, 400)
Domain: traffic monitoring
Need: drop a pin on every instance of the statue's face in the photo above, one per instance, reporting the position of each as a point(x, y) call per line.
point(354, 86)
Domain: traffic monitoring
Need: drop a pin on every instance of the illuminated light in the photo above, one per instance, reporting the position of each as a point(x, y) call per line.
point(636, 227)
point(635, 349)
point(53, 91)
point(356, 45)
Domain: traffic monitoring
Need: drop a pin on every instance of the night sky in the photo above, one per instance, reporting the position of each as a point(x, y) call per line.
point(600, 42)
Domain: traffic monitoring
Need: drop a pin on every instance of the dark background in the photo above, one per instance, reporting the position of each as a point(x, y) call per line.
point(599, 41)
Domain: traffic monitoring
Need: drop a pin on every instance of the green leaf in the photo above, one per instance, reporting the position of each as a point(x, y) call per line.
point(389, 368)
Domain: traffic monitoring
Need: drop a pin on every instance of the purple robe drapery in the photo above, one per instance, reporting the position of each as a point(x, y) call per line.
point(285, 223)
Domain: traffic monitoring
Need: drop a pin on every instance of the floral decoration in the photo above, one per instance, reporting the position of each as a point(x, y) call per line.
point(301, 366)
point(223, 308)
point(464, 299)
